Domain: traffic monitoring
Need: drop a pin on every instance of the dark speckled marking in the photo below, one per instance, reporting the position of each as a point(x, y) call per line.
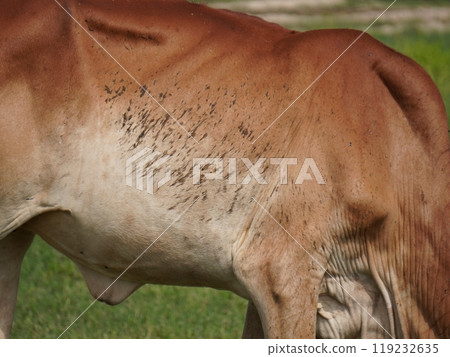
point(276, 298)
point(116, 93)
point(143, 91)
point(245, 132)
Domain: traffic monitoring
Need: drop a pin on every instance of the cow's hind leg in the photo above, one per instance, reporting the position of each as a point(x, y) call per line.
point(283, 283)
point(12, 250)
point(253, 327)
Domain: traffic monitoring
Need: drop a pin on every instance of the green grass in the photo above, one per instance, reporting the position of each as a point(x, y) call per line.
point(354, 3)
point(382, 4)
point(52, 294)
point(404, 3)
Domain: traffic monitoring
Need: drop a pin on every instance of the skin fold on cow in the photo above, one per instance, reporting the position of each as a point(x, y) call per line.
point(375, 125)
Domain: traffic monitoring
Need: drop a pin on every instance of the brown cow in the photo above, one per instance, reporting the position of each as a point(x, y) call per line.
point(364, 255)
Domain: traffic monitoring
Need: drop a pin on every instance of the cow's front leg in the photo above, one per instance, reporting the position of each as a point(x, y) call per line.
point(283, 281)
point(12, 251)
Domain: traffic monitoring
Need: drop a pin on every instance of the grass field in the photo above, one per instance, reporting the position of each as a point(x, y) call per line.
point(52, 293)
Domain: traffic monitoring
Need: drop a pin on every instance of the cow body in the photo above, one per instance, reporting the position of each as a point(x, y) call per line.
point(71, 117)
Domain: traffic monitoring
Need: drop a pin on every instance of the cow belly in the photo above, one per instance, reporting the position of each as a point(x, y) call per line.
point(106, 289)
point(103, 252)
point(356, 312)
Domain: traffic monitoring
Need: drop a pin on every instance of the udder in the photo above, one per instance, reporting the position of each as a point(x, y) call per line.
point(351, 307)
